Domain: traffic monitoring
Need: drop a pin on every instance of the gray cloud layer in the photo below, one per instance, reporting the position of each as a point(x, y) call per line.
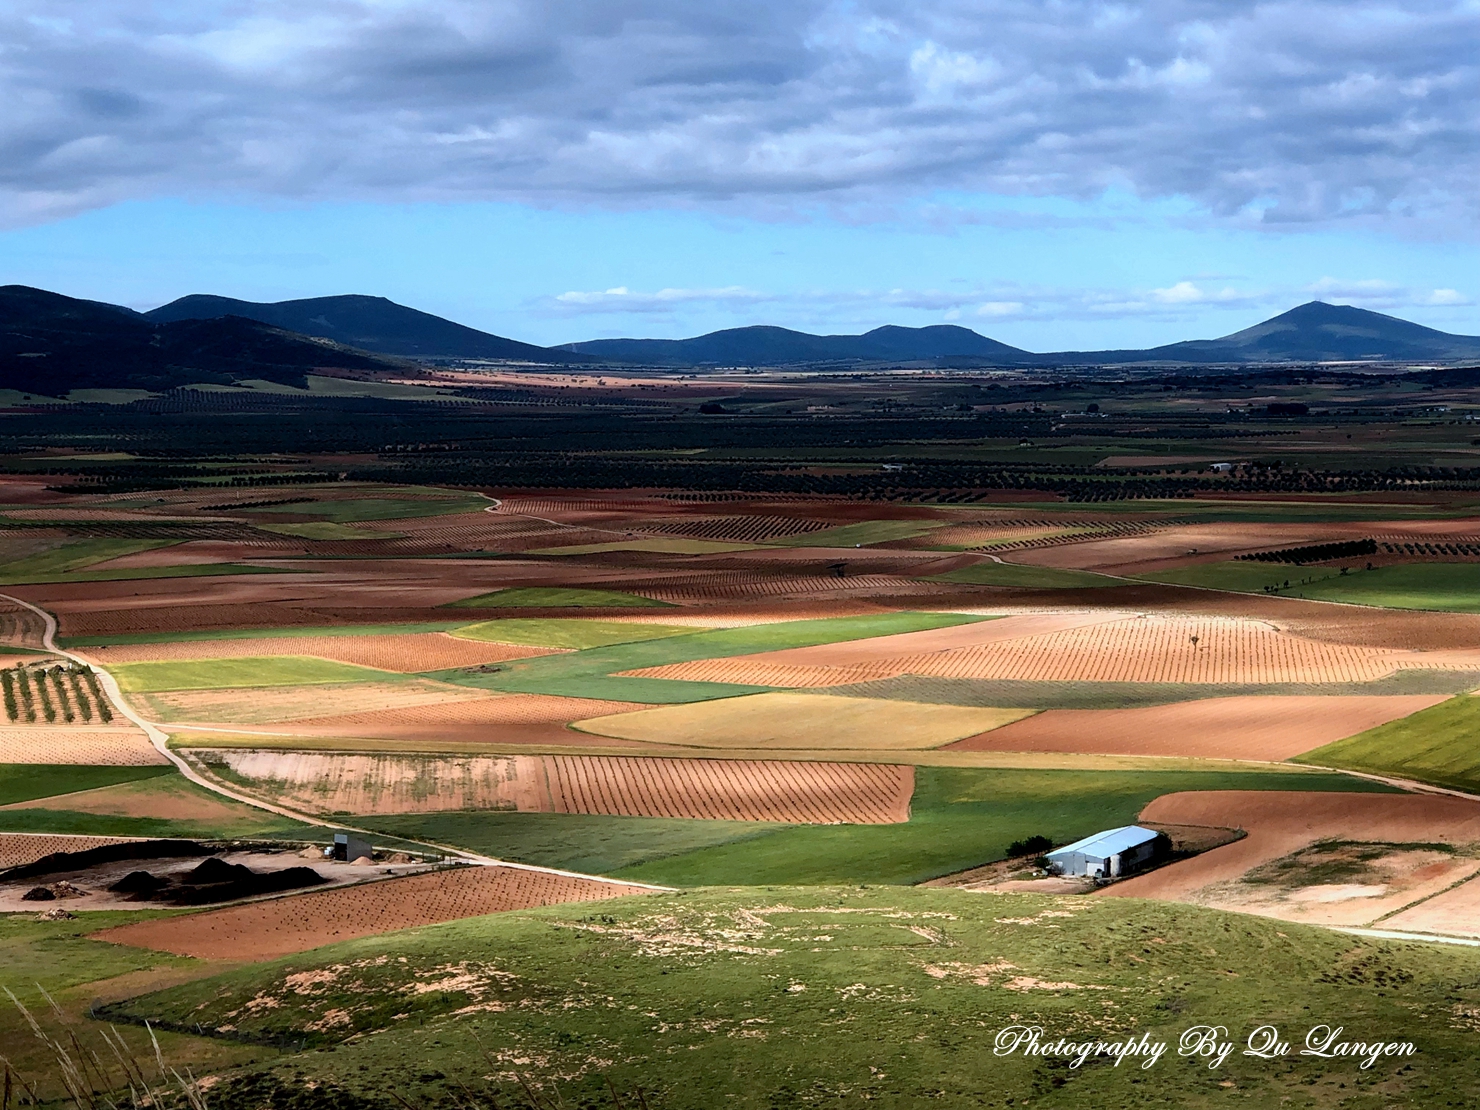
point(1270, 112)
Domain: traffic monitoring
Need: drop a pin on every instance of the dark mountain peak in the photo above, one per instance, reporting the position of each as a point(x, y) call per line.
point(367, 322)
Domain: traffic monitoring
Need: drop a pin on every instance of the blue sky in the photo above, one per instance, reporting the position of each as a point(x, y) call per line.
point(1055, 174)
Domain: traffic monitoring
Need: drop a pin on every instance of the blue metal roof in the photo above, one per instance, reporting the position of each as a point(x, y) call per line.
point(1111, 842)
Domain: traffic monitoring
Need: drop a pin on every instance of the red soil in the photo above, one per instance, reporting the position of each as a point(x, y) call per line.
point(281, 926)
point(408, 654)
point(1263, 728)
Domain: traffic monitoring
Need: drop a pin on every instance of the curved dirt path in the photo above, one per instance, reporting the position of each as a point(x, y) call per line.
point(160, 740)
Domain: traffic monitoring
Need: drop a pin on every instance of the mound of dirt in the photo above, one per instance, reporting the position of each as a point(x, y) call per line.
point(105, 853)
point(139, 882)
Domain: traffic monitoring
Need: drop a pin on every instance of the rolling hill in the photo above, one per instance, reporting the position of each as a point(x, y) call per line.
point(51, 344)
point(369, 323)
point(1313, 332)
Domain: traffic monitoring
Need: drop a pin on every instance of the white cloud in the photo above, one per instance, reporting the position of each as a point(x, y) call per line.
point(1283, 112)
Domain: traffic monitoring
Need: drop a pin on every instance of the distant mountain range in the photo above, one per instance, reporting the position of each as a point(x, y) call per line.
point(51, 344)
point(369, 323)
point(1313, 332)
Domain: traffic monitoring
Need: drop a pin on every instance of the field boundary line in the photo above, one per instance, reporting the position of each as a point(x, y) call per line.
point(160, 740)
point(1394, 934)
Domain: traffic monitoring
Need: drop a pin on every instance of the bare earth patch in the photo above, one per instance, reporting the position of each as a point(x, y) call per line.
point(100, 746)
point(1264, 728)
point(280, 926)
point(715, 789)
point(408, 653)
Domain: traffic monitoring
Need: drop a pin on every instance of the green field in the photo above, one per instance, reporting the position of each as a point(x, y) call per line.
point(23, 782)
point(1020, 575)
point(658, 545)
point(960, 818)
point(266, 670)
point(551, 597)
point(1451, 587)
point(327, 530)
point(74, 556)
point(833, 996)
point(588, 673)
point(861, 534)
point(565, 632)
point(399, 507)
point(1437, 745)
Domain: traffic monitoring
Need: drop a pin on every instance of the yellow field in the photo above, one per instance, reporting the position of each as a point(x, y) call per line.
point(768, 722)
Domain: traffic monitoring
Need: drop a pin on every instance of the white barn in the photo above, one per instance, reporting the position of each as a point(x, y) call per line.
point(1107, 854)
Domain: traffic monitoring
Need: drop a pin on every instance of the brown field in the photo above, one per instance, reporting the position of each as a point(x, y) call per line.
point(410, 653)
point(104, 746)
point(269, 705)
point(281, 926)
point(169, 797)
point(1281, 823)
point(1455, 912)
point(20, 627)
point(1265, 728)
point(487, 719)
point(1087, 647)
point(17, 849)
point(624, 786)
point(811, 722)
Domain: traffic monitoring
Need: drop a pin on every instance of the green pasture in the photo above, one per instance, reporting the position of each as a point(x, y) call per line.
point(266, 670)
point(74, 556)
point(1450, 587)
point(397, 507)
point(832, 996)
point(861, 534)
point(1437, 745)
point(326, 530)
point(589, 673)
point(959, 818)
point(24, 782)
point(1023, 576)
point(565, 632)
point(555, 597)
point(116, 639)
point(658, 545)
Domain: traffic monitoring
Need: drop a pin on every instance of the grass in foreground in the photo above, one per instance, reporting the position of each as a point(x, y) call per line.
point(1435, 745)
point(1022, 576)
point(553, 597)
point(265, 670)
point(765, 999)
point(959, 818)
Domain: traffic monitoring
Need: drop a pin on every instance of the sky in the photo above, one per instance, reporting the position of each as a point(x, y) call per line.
point(1056, 174)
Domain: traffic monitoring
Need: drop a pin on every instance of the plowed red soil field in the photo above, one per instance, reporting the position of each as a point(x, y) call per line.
point(624, 786)
point(296, 923)
point(408, 654)
point(1265, 728)
point(1279, 822)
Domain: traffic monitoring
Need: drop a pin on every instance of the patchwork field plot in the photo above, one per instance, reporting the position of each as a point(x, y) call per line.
point(1281, 824)
point(741, 529)
point(1023, 576)
point(565, 632)
point(1436, 745)
point(99, 745)
point(406, 654)
point(551, 597)
point(257, 670)
point(501, 719)
point(1453, 912)
point(802, 721)
point(1452, 587)
point(622, 786)
point(286, 703)
point(280, 926)
point(1086, 648)
point(1264, 728)
point(19, 627)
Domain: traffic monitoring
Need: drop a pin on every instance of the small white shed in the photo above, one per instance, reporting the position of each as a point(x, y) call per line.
point(1107, 854)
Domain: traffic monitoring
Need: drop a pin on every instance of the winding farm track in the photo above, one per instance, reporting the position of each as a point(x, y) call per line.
point(160, 740)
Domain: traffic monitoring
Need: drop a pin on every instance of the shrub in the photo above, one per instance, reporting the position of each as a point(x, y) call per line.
point(1032, 846)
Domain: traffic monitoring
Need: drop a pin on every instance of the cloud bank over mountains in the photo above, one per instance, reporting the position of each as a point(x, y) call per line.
point(1270, 114)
